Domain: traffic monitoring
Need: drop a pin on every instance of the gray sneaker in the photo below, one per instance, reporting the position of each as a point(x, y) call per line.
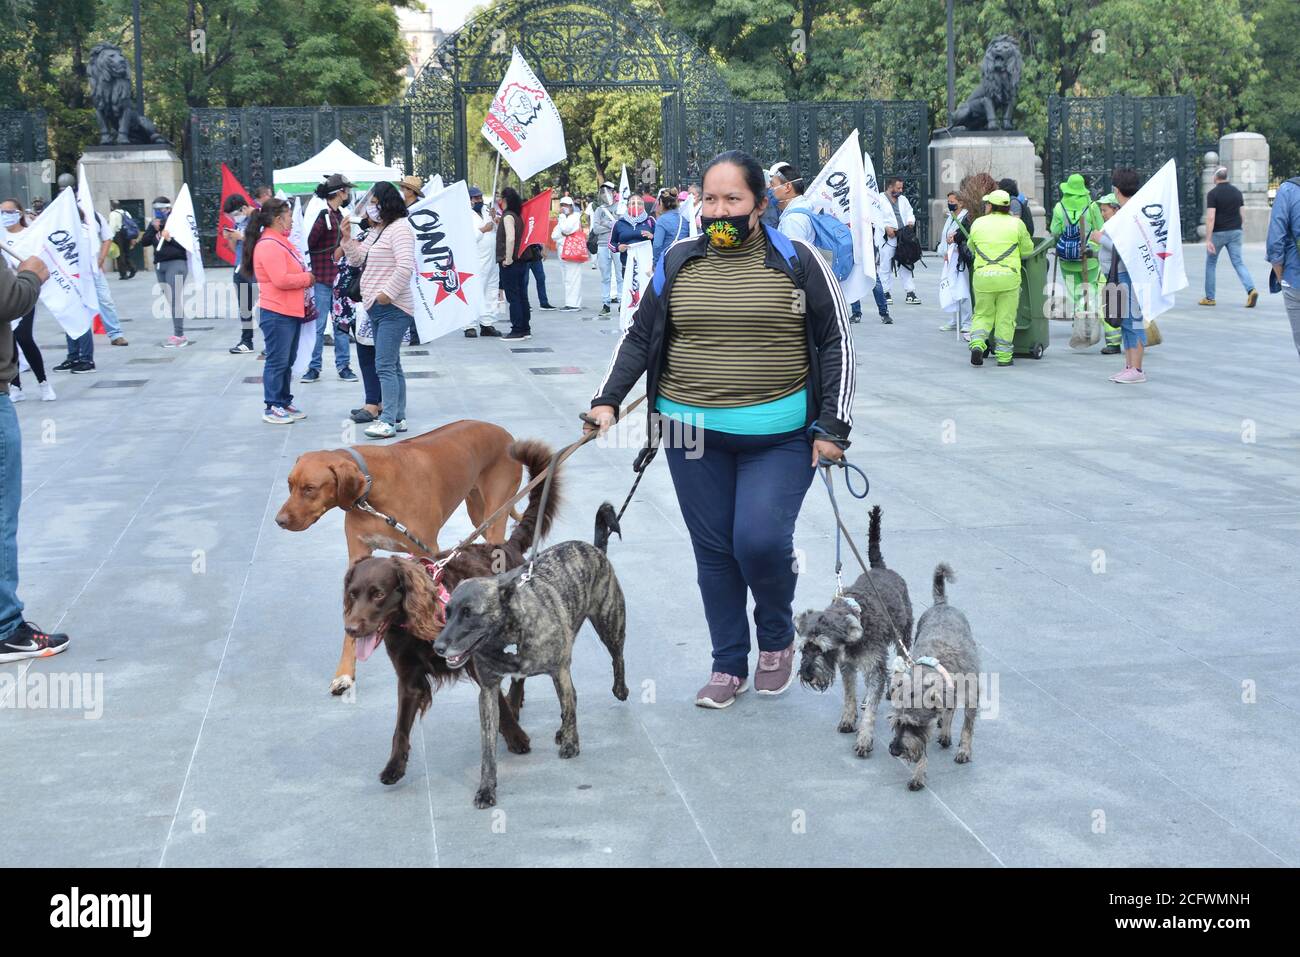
point(721, 690)
point(775, 671)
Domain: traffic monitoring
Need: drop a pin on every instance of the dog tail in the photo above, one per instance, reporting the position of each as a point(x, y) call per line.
point(535, 456)
point(606, 523)
point(942, 573)
point(874, 558)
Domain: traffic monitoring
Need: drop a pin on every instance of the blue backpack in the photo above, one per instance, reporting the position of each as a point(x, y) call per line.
point(834, 237)
point(1069, 245)
point(129, 226)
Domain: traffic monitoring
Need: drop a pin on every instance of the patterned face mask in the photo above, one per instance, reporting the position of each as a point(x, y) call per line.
point(726, 232)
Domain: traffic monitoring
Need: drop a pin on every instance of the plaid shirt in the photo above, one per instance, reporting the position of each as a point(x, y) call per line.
point(321, 243)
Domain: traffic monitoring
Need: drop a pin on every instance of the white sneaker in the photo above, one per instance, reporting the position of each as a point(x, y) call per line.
point(16, 394)
point(276, 415)
point(380, 430)
point(401, 426)
point(47, 391)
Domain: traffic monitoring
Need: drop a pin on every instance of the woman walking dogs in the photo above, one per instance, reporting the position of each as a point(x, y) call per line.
point(744, 339)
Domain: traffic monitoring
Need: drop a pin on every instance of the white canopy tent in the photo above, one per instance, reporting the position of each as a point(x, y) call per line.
point(335, 158)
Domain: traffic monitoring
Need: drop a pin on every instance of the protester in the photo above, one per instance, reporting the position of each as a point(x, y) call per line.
point(1074, 219)
point(956, 268)
point(322, 246)
point(388, 255)
point(262, 193)
point(753, 393)
point(1019, 204)
point(412, 188)
point(670, 226)
point(513, 268)
point(485, 227)
point(19, 638)
point(632, 227)
point(603, 218)
point(171, 267)
point(1133, 329)
point(11, 219)
point(239, 209)
point(125, 233)
point(533, 258)
point(566, 224)
point(275, 262)
point(899, 215)
point(1282, 248)
point(786, 187)
point(998, 242)
point(1223, 230)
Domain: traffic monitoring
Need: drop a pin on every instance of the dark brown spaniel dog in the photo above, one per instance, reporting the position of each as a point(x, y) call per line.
point(399, 602)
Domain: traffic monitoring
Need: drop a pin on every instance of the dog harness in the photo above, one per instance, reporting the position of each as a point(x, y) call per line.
point(928, 661)
point(435, 572)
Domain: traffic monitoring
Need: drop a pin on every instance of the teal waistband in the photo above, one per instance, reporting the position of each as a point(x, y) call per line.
point(767, 418)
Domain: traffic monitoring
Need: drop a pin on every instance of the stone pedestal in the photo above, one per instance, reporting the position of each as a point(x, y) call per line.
point(1209, 163)
point(1246, 156)
point(1000, 153)
point(126, 173)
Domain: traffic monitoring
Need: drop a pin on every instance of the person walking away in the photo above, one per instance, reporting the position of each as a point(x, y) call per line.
point(1223, 230)
point(388, 255)
point(171, 267)
point(901, 214)
point(1074, 219)
point(567, 223)
point(632, 227)
point(513, 270)
point(322, 246)
point(1133, 328)
point(956, 268)
point(1019, 204)
point(997, 241)
point(276, 264)
point(125, 233)
point(670, 226)
point(754, 394)
point(1282, 248)
point(11, 220)
point(19, 638)
point(239, 209)
point(603, 218)
point(485, 235)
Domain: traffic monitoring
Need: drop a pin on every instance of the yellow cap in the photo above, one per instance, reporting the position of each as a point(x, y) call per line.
point(999, 197)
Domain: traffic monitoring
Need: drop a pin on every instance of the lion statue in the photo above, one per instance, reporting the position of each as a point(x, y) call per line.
point(110, 92)
point(994, 100)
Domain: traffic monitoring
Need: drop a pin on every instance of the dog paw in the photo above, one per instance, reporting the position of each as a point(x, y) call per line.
point(519, 745)
point(341, 683)
point(915, 785)
point(846, 727)
point(620, 691)
point(945, 741)
point(963, 756)
point(569, 749)
point(486, 797)
point(863, 750)
point(559, 736)
point(393, 773)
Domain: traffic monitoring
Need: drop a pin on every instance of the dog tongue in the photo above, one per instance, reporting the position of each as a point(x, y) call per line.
point(366, 646)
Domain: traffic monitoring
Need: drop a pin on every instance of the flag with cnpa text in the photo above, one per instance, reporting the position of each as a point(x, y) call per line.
point(58, 238)
point(636, 279)
point(1148, 235)
point(841, 190)
point(447, 284)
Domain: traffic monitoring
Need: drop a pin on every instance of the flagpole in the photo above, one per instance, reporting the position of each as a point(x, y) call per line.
point(494, 178)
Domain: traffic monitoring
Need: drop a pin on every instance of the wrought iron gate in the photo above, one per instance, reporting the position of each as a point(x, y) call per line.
point(1094, 135)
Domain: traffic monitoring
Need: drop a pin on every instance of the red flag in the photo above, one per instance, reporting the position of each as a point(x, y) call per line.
point(230, 186)
point(536, 216)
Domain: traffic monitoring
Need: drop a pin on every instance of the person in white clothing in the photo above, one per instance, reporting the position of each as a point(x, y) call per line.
point(787, 186)
point(566, 224)
point(954, 286)
point(485, 226)
point(899, 208)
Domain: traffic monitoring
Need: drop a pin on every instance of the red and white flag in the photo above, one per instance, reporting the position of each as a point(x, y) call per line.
point(1148, 235)
point(636, 279)
point(447, 285)
point(230, 186)
point(537, 221)
point(522, 122)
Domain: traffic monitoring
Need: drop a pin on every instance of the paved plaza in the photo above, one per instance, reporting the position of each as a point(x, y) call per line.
point(1129, 558)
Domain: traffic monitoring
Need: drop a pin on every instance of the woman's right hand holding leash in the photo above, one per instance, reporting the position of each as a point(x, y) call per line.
point(599, 419)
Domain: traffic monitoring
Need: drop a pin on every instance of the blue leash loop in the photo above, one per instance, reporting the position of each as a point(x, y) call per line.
point(825, 465)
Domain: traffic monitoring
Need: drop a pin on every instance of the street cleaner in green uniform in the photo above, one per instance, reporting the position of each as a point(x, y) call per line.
point(997, 242)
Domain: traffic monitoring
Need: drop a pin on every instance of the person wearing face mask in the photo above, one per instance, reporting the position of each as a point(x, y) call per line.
point(566, 224)
point(171, 267)
point(956, 268)
point(670, 226)
point(603, 218)
point(751, 395)
point(269, 255)
point(632, 227)
point(11, 227)
point(238, 209)
point(785, 187)
point(514, 272)
point(898, 216)
point(485, 233)
point(323, 248)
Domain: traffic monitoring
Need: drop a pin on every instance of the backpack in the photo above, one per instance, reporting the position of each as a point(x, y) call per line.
point(130, 226)
point(908, 252)
point(835, 238)
point(1069, 245)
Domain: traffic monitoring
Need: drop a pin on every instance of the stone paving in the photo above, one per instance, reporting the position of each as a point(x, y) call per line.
point(1127, 555)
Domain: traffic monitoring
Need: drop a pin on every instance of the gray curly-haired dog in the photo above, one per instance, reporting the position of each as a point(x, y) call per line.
point(945, 676)
point(854, 634)
point(514, 627)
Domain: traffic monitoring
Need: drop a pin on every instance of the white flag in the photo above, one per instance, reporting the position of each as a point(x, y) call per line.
point(447, 284)
point(522, 122)
point(636, 278)
point(688, 212)
point(624, 191)
point(58, 238)
point(841, 190)
point(875, 202)
point(86, 203)
point(184, 228)
point(1148, 235)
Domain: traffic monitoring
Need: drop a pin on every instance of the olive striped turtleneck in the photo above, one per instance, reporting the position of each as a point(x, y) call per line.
point(736, 332)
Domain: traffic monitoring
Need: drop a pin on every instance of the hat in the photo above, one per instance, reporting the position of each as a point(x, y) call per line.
point(1074, 186)
point(1110, 199)
point(683, 196)
point(413, 183)
point(475, 191)
point(566, 200)
point(608, 185)
point(998, 197)
point(337, 181)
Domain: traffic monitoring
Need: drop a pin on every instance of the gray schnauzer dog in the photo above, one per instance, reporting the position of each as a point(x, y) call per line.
point(519, 624)
point(944, 676)
point(854, 634)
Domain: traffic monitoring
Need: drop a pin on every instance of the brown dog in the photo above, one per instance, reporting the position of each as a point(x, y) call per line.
point(419, 481)
point(397, 601)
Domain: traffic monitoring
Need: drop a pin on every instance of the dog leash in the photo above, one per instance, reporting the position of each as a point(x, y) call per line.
point(365, 506)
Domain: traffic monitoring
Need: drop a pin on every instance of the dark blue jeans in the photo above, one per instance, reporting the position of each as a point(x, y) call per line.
point(740, 496)
point(11, 495)
point(82, 348)
point(535, 267)
point(280, 339)
point(369, 377)
point(514, 280)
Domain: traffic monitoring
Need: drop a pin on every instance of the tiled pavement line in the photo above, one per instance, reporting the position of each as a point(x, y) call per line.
point(681, 794)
